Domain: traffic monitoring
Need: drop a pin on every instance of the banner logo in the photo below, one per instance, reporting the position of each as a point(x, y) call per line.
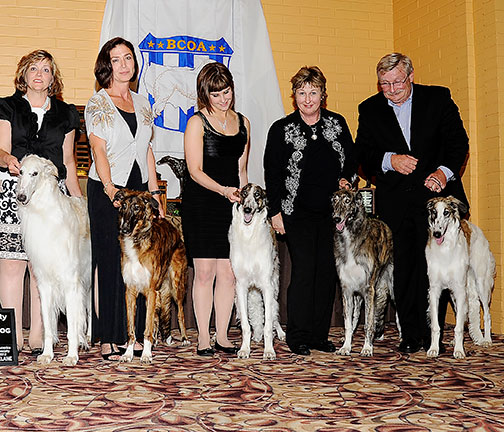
point(168, 75)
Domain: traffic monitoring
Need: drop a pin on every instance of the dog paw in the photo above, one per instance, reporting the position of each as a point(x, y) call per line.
point(344, 351)
point(169, 341)
point(458, 354)
point(44, 359)
point(432, 352)
point(366, 352)
point(146, 359)
point(70, 360)
point(126, 358)
point(244, 354)
point(186, 342)
point(269, 355)
point(281, 335)
point(484, 343)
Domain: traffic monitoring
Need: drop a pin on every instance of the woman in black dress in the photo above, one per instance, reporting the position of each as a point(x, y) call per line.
point(216, 143)
point(32, 121)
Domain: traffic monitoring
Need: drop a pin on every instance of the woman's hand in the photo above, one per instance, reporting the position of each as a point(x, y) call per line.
point(344, 184)
point(277, 223)
point(231, 193)
point(12, 164)
point(111, 190)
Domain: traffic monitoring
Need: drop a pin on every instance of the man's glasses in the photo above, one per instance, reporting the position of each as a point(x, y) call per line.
point(386, 84)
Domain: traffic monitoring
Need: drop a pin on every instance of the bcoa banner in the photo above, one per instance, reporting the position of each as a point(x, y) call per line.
point(173, 40)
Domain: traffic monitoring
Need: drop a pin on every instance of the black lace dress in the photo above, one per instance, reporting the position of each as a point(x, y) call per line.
point(206, 215)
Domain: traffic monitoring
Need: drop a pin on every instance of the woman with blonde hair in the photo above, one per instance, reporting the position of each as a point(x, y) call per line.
point(32, 121)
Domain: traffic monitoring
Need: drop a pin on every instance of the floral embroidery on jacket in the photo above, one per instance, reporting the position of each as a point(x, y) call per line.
point(148, 116)
point(294, 136)
point(330, 131)
point(101, 111)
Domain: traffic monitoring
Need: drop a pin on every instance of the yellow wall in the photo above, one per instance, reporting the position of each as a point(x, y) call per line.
point(457, 43)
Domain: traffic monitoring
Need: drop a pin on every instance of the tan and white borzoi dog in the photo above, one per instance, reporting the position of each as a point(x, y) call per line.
point(55, 230)
point(254, 259)
point(459, 259)
point(153, 263)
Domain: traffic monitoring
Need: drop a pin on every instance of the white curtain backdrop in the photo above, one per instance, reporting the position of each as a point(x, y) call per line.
point(173, 40)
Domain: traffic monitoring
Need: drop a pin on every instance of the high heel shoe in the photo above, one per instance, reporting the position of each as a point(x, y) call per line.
point(226, 350)
point(205, 352)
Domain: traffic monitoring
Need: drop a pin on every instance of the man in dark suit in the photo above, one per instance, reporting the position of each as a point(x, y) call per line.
point(412, 139)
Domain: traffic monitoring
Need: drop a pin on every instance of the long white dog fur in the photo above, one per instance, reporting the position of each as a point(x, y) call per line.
point(459, 259)
point(55, 230)
point(254, 259)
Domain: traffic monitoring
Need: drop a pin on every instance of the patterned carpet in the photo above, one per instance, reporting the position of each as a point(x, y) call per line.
point(323, 392)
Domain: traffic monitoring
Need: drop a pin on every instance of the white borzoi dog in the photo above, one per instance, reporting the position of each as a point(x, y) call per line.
point(55, 230)
point(364, 259)
point(458, 259)
point(254, 259)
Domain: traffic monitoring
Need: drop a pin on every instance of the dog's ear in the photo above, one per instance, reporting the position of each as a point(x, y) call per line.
point(430, 204)
point(456, 204)
point(50, 169)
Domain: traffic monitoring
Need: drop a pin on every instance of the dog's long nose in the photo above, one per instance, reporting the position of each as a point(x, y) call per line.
point(21, 198)
point(247, 210)
point(437, 234)
point(337, 219)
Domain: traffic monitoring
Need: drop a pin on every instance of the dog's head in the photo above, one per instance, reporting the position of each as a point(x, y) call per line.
point(137, 210)
point(347, 209)
point(34, 170)
point(444, 212)
point(253, 201)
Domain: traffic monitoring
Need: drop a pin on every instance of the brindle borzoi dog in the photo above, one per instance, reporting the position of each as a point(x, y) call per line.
point(254, 259)
point(459, 259)
point(154, 263)
point(364, 259)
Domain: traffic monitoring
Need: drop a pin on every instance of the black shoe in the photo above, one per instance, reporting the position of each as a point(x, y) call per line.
point(409, 346)
point(205, 352)
point(300, 349)
point(326, 346)
point(35, 352)
point(226, 350)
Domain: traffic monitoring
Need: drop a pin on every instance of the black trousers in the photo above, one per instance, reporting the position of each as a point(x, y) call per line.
point(310, 296)
point(106, 255)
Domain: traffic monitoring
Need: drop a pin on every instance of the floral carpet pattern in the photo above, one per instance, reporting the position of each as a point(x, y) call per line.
point(182, 392)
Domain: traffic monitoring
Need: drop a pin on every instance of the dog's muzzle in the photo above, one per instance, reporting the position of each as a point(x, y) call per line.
point(22, 199)
point(438, 236)
point(247, 215)
point(340, 223)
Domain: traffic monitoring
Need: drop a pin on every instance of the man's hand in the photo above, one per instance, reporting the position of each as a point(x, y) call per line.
point(404, 164)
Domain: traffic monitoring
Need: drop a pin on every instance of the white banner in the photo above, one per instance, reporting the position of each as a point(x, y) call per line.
point(173, 40)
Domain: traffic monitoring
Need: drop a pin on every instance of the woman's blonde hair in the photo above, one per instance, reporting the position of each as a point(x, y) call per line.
point(55, 88)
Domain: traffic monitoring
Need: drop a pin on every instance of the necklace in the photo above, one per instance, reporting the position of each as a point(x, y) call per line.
point(43, 107)
point(314, 134)
point(223, 125)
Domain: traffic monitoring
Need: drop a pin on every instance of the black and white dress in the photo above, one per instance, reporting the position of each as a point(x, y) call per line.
point(29, 138)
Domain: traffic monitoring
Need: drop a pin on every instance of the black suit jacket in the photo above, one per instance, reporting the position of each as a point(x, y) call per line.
point(438, 138)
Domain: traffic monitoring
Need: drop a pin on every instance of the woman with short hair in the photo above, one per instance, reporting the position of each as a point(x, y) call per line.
point(307, 158)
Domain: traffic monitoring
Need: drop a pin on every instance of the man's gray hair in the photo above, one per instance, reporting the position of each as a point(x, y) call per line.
point(390, 61)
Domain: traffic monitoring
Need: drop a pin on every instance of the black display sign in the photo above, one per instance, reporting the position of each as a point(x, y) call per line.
point(8, 346)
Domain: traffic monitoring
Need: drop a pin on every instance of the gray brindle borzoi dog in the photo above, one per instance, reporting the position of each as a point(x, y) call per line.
point(55, 230)
point(459, 259)
point(364, 260)
point(254, 259)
